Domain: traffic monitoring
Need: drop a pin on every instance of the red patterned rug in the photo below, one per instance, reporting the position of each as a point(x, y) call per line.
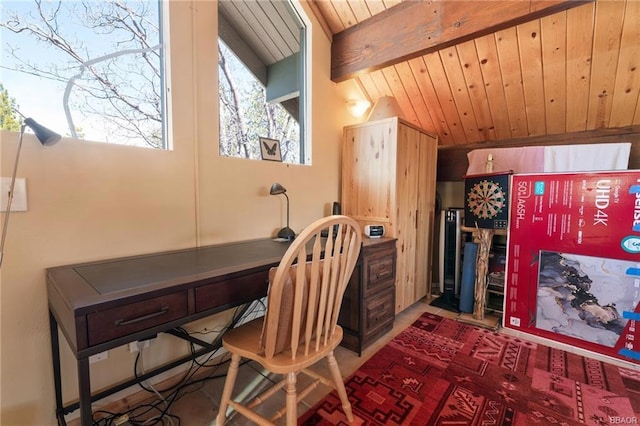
point(444, 372)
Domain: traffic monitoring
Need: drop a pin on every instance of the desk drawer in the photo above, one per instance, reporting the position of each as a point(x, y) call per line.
point(239, 289)
point(117, 322)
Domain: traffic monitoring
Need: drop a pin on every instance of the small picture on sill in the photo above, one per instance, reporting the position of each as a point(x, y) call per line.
point(270, 149)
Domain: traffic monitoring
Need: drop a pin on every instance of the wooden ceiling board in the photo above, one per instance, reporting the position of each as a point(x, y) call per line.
point(423, 80)
point(375, 6)
point(330, 15)
point(344, 12)
point(627, 85)
point(475, 85)
point(579, 47)
point(399, 92)
point(371, 91)
point(607, 32)
point(453, 70)
point(493, 85)
point(359, 9)
point(509, 59)
point(530, 51)
point(445, 97)
point(381, 84)
point(553, 30)
point(423, 119)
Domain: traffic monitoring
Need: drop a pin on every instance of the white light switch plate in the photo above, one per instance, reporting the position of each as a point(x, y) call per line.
point(19, 203)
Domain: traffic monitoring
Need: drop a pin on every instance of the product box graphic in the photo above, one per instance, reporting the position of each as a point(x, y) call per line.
point(573, 260)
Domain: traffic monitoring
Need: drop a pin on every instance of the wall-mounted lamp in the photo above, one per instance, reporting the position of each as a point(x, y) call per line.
point(357, 107)
point(46, 137)
point(285, 233)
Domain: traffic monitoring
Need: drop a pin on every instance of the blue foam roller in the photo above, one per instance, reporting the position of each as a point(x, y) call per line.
point(468, 279)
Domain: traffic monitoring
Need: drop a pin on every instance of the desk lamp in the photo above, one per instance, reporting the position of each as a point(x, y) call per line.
point(285, 233)
point(47, 138)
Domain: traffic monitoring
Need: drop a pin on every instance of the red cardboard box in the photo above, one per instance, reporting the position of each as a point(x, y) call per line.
point(573, 260)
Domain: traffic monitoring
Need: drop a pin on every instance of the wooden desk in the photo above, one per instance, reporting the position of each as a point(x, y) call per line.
point(102, 305)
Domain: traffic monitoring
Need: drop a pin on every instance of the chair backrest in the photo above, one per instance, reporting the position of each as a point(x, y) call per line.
point(303, 303)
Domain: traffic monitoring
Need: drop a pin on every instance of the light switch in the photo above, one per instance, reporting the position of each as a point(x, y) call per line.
point(19, 203)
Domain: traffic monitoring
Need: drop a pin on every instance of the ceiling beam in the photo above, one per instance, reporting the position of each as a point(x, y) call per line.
point(415, 28)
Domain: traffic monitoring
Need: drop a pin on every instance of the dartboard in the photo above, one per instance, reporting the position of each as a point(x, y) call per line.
point(487, 200)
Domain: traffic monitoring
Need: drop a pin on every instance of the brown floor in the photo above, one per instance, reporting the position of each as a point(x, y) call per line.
point(201, 407)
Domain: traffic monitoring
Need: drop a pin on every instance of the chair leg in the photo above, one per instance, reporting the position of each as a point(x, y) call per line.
point(230, 381)
point(292, 400)
point(339, 385)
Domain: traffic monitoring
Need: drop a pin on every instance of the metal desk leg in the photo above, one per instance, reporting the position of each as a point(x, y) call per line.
point(84, 388)
point(55, 356)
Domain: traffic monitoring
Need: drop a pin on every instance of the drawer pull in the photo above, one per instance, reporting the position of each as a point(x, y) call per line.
point(162, 311)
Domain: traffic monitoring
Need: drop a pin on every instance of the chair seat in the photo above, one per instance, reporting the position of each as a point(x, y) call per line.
point(245, 341)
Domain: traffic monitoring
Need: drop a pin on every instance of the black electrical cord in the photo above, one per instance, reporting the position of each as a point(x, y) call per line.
point(139, 415)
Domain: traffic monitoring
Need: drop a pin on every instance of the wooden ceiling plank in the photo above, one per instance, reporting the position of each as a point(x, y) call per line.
point(330, 16)
point(493, 85)
point(475, 85)
point(627, 86)
point(400, 94)
point(345, 14)
point(359, 9)
point(458, 85)
point(530, 53)
point(579, 46)
point(375, 6)
point(370, 89)
point(423, 80)
point(415, 97)
point(445, 97)
point(606, 44)
point(316, 8)
point(553, 32)
point(507, 46)
point(424, 27)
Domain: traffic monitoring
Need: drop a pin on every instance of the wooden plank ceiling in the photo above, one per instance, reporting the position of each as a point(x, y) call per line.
point(571, 71)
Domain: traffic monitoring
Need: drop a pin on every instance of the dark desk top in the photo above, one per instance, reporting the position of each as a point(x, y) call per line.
point(92, 283)
point(123, 274)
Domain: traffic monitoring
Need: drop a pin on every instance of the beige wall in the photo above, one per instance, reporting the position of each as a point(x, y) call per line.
point(91, 201)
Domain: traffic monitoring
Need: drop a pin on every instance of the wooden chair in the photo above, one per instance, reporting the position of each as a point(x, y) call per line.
point(300, 326)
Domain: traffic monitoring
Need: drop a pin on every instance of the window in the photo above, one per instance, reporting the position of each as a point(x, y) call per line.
point(261, 57)
point(88, 69)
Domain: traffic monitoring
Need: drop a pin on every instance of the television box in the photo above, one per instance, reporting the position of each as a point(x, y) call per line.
point(573, 260)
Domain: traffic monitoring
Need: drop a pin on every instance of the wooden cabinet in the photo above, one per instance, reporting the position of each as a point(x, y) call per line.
point(367, 310)
point(389, 178)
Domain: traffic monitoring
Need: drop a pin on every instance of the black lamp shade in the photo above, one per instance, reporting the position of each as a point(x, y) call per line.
point(45, 136)
point(276, 189)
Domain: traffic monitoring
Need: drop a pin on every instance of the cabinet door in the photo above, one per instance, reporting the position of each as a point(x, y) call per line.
point(368, 167)
point(407, 187)
point(426, 214)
